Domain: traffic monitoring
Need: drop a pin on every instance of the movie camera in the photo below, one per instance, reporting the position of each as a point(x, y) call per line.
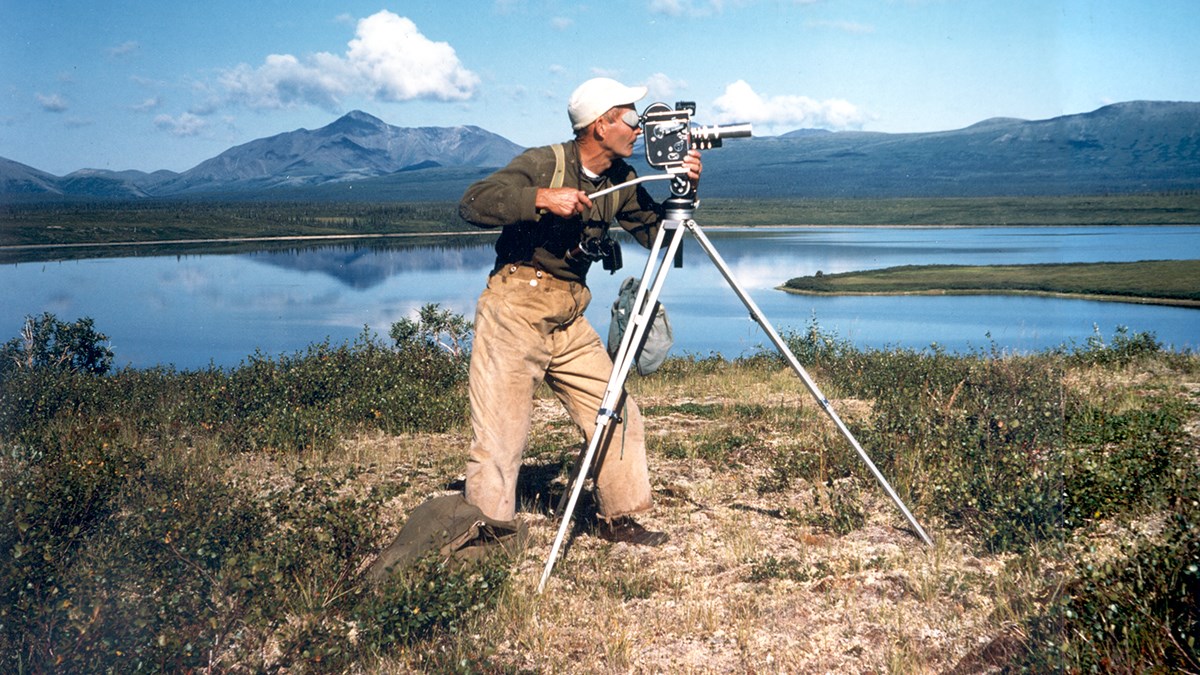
point(668, 135)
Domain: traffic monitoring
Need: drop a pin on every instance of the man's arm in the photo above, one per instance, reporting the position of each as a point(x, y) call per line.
point(508, 196)
point(563, 202)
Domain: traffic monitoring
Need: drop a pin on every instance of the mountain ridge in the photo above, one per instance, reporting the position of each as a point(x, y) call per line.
point(1133, 146)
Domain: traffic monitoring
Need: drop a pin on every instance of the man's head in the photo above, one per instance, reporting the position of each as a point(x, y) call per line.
point(596, 97)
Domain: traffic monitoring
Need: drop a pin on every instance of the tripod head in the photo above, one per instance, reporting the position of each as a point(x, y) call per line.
point(669, 135)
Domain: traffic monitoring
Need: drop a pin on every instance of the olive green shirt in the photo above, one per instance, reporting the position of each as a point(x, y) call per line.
point(541, 239)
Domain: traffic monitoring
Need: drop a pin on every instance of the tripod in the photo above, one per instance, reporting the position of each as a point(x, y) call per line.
point(678, 217)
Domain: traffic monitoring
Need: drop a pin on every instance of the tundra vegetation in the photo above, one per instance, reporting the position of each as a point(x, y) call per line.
point(157, 520)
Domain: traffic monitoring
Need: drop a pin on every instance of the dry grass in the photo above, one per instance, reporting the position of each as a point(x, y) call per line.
point(741, 587)
point(752, 580)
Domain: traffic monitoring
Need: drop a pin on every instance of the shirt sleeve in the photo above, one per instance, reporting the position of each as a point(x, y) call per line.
point(507, 196)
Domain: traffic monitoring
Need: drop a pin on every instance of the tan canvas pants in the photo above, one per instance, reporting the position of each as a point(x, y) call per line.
point(529, 327)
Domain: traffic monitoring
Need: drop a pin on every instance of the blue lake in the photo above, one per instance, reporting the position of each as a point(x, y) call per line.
point(193, 310)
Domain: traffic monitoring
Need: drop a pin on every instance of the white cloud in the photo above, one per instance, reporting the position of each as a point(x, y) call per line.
point(123, 49)
point(561, 23)
point(661, 87)
point(52, 102)
point(680, 7)
point(283, 80)
point(740, 103)
point(147, 82)
point(403, 64)
point(185, 124)
point(844, 26)
point(388, 60)
point(707, 8)
point(148, 104)
point(693, 8)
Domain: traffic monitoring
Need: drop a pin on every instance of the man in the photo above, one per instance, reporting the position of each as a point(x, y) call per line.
point(529, 323)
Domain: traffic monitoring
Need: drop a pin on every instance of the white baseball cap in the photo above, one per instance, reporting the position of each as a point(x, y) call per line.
point(595, 97)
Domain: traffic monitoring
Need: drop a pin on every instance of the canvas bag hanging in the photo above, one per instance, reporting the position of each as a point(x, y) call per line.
point(656, 342)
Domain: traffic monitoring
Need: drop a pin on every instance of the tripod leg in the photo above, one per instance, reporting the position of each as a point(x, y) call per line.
point(634, 331)
point(627, 348)
point(758, 317)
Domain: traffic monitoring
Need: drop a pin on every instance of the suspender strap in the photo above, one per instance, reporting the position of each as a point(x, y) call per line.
point(560, 170)
point(559, 166)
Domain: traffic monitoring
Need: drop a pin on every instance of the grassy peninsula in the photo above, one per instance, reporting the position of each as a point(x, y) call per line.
point(218, 520)
point(1169, 282)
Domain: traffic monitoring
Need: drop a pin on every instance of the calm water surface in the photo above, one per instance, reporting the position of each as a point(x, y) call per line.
point(190, 311)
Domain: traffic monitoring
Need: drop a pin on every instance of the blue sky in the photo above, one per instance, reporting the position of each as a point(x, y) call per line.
point(165, 85)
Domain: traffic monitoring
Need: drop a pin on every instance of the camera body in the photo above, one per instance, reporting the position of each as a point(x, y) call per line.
point(668, 134)
point(602, 249)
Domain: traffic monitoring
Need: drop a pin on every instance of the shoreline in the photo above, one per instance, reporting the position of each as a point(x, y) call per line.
point(236, 240)
point(486, 232)
point(1135, 300)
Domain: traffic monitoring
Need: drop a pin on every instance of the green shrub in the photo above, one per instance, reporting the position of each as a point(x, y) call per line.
point(770, 567)
point(435, 595)
point(121, 556)
point(1116, 460)
point(47, 343)
point(54, 499)
point(129, 547)
point(1136, 612)
point(436, 328)
point(309, 399)
point(976, 440)
point(302, 401)
point(816, 346)
point(124, 559)
point(789, 463)
point(1124, 348)
point(998, 444)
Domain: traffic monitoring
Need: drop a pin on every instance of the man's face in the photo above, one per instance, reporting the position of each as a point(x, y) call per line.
point(622, 131)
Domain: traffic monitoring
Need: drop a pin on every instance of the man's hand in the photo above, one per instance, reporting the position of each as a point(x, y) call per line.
point(693, 165)
point(562, 202)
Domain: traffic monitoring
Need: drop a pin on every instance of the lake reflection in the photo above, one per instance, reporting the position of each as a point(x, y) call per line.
point(192, 310)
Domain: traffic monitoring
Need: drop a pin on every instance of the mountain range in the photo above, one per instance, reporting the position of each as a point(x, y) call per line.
point(1139, 146)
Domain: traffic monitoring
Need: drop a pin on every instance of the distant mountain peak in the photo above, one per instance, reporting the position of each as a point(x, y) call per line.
point(996, 122)
point(355, 146)
point(360, 115)
point(356, 121)
point(807, 131)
